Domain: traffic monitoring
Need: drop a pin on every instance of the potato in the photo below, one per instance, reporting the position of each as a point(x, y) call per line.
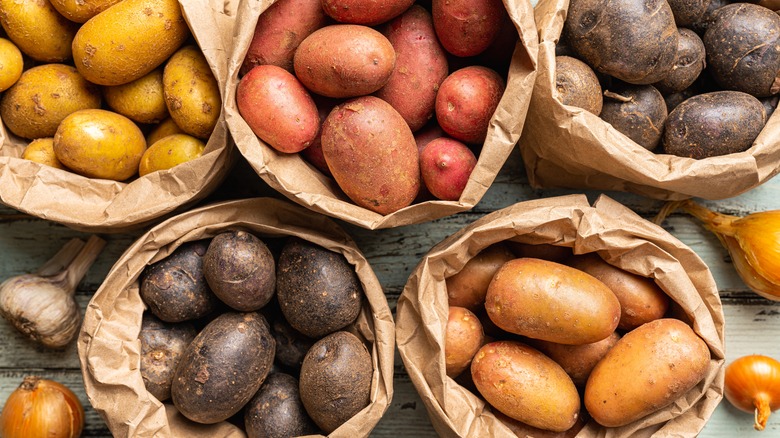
point(420, 67)
point(743, 49)
point(223, 367)
point(553, 302)
point(163, 129)
point(577, 84)
point(369, 13)
point(578, 360)
point(522, 430)
point(445, 166)
point(770, 104)
point(526, 385)
point(466, 27)
point(313, 154)
point(38, 29)
point(81, 10)
point(553, 253)
point(372, 155)
point(335, 381)
point(41, 150)
point(464, 336)
point(318, 290)
point(42, 97)
point(175, 289)
point(648, 369)
point(278, 108)
point(707, 16)
point(688, 65)
point(169, 152)
point(634, 41)
point(141, 100)
point(11, 64)
point(191, 92)
point(713, 124)
point(498, 55)
point(240, 269)
point(641, 117)
point(291, 345)
point(125, 42)
point(162, 345)
point(100, 144)
point(276, 411)
point(469, 286)
point(641, 300)
point(688, 12)
point(466, 102)
point(344, 60)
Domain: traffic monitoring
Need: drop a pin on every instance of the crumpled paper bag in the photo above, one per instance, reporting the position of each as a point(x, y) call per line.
point(619, 236)
point(109, 348)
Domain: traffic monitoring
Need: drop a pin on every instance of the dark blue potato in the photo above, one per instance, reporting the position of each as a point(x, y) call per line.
point(638, 111)
point(276, 411)
point(713, 124)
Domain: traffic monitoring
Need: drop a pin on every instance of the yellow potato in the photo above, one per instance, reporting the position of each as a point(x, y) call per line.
point(38, 29)
point(11, 64)
point(42, 97)
point(170, 151)
point(463, 338)
point(100, 144)
point(165, 128)
point(191, 92)
point(41, 151)
point(81, 10)
point(141, 100)
point(128, 40)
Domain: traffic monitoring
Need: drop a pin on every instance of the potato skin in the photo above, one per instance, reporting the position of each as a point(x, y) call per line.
point(466, 27)
point(41, 150)
point(420, 67)
point(445, 166)
point(162, 345)
point(278, 108)
point(38, 29)
point(127, 41)
point(690, 61)
point(169, 152)
point(688, 12)
point(366, 12)
point(642, 118)
point(646, 370)
point(523, 430)
point(577, 84)
point(578, 360)
point(191, 92)
point(463, 338)
point(344, 60)
point(372, 154)
point(291, 345)
point(468, 287)
point(713, 124)
point(466, 102)
point(526, 385)
point(276, 411)
point(81, 10)
point(223, 367)
point(142, 100)
point(11, 64)
point(553, 302)
point(163, 129)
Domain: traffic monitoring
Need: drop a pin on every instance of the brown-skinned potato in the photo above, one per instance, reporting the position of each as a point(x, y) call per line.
point(691, 60)
point(469, 286)
point(640, 117)
point(577, 84)
point(463, 338)
point(577, 360)
point(276, 411)
point(162, 345)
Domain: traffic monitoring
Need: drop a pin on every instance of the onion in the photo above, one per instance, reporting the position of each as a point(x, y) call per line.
point(41, 408)
point(753, 385)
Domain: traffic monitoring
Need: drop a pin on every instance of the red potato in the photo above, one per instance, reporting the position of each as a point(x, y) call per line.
point(446, 165)
point(499, 53)
point(278, 108)
point(280, 29)
point(313, 154)
point(420, 67)
point(463, 339)
point(422, 137)
point(367, 12)
point(466, 102)
point(372, 155)
point(467, 27)
point(344, 60)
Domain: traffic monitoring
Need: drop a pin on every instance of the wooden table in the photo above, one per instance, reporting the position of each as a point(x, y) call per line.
point(752, 323)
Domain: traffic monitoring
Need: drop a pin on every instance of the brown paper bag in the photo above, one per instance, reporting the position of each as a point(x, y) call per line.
point(100, 205)
point(564, 146)
point(109, 349)
point(620, 237)
point(295, 178)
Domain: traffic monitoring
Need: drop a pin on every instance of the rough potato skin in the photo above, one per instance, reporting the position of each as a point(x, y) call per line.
point(467, 27)
point(175, 288)
point(335, 381)
point(81, 10)
point(318, 290)
point(634, 40)
point(162, 346)
point(641, 118)
point(577, 84)
point(191, 92)
point(648, 369)
point(466, 102)
point(142, 100)
point(688, 12)
point(469, 286)
point(367, 12)
point(291, 345)
point(743, 49)
point(276, 411)
point(713, 124)
point(463, 339)
point(223, 367)
point(691, 60)
point(37, 29)
point(578, 360)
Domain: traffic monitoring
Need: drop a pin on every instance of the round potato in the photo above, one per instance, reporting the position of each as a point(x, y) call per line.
point(463, 338)
point(81, 10)
point(291, 345)
point(638, 111)
point(445, 167)
point(11, 64)
point(577, 84)
point(467, 27)
point(162, 345)
point(276, 411)
point(691, 60)
point(169, 152)
point(466, 102)
point(578, 360)
point(38, 29)
point(100, 144)
point(141, 100)
point(42, 97)
point(163, 129)
point(41, 150)
point(191, 92)
point(469, 286)
point(367, 12)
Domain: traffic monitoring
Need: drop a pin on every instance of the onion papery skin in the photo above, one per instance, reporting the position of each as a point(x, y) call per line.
point(752, 384)
point(42, 408)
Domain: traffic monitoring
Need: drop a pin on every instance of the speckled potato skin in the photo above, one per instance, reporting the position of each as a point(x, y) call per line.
point(335, 381)
point(523, 430)
point(642, 118)
point(526, 385)
point(578, 360)
point(713, 124)
point(169, 152)
point(466, 102)
point(141, 100)
point(41, 150)
point(276, 411)
point(577, 84)
point(163, 129)
point(553, 302)
point(11, 64)
point(81, 10)
point(175, 288)
point(464, 336)
point(223, 367)
point(468, 287)
point(38, 29)
point(127, 41)
point(42, 97)
point(367, 12)
point(467, 27)
point(687, 12)
point(649, 368)
point(162, 345)
point(291, 345)
point(191, 92)
point(691, 60)
point(634, 41)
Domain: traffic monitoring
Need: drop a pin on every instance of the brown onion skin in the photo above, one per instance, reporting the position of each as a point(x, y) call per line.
point(752, 384)
point(30, 411)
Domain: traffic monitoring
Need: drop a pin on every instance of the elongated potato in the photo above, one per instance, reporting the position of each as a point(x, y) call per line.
point(463, 339)
point(38, 29)
point(11, 64)
point(191, 92)
point(81, 10)
point(367, 12)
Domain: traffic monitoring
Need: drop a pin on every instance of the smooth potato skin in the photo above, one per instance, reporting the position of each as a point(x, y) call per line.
point(142, 100)
point(445, 166)
point(163, 129)
point(466, 27)
point(642, 118)
point(553, 302)
point(526, 385)
point(344, 60)
point(191, 92)
point(38, 29)
point(81, 10)
point(11, 64)
point(468, 287)
point(41, 150)
point(420, 67)
point(127, 41)
point(577, 84)
point(466, 102)
point(372, 154)
point(162, 345)
point(578, 360)
point(646, 370)
point(276, 411)
point(169, 152)
point(523, 430)
point(463, 338)
point(367, 12)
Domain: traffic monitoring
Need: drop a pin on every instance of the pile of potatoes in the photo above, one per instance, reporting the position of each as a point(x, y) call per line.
point(550, 340)
point(105, 89)
point(238, 326)
point(689, 78)
point(391, 99)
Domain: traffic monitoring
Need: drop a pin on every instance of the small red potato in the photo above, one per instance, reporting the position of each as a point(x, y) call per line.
point(463, 338)
point(367, 12)
point(467, 27)
point(446, 165)
point(468, 287)
point(278, 108)
point(466, 102)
